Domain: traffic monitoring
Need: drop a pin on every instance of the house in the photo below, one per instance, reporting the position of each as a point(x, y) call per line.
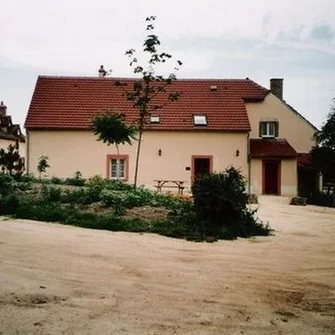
point(10, 133)
point(215, 124)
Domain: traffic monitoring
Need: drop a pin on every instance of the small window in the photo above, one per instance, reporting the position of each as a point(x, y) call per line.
point(154, 118)
point(117, 167)
point(200, 120)
point(268, 129)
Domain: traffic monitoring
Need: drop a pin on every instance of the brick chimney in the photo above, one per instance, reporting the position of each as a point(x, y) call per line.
point(3, 109)
point(102, 72)
point(276, 87)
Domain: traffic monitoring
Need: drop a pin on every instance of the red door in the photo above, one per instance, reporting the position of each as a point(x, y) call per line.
point(271, 177)
point(201, 165)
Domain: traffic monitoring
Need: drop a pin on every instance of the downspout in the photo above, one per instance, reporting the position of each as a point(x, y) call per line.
point(27, 152)
point(249, 164)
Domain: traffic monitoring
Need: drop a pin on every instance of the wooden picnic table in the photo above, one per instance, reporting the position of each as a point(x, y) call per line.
point(170, 183)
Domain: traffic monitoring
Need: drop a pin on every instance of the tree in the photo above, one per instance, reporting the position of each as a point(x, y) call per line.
point(111, 129)
point(323, 154)
point(11, 161)
point(144, 92)
point(42, 165)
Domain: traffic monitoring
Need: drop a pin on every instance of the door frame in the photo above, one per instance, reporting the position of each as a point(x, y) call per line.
point(194, 157)
point(264, 161)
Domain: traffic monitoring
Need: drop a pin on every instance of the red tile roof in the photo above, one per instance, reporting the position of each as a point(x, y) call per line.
point(70, 102)
point(271, 148)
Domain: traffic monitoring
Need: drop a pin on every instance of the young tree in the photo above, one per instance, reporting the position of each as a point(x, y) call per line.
point(11, 161)
point(144, 92)
point(42, 165)
point(323, 154)
point(111, 128)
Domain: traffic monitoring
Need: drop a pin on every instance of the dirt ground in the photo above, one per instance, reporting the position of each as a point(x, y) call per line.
point(57, 279)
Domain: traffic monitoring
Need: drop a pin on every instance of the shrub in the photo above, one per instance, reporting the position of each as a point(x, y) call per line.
point(115, 199)
point(107, 222)
point(181, 223)
point(25, 178)
point(219, 198)
point(83, 196)
point(96, 181)
point(120, 200)
point(118, 185)
point(49, 212)
point(76, 180)
point(51, 194)
point(6, 184)
point(55, 212)
point(298, 201)
point(57, 181)
point(322, 199)
point(221, 210)
point(9, 204)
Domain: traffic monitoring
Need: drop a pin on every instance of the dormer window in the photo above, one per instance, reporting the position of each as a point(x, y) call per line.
point(268, 129)
point(200, 120)
point(154, 119)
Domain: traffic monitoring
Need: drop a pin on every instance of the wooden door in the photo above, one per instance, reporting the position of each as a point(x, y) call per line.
point(201, 165)
point(271, 177)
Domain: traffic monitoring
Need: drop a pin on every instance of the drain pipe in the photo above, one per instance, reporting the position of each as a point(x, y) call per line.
point(249, 164)
point(27, 152)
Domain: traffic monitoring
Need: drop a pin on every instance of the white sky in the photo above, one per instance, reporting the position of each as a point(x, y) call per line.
point(258, 39)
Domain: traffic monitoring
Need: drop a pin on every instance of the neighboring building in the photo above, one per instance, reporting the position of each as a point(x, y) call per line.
point(10, 133)
point(215, 124)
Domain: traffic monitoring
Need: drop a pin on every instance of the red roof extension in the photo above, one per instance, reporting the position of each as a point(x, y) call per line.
point(70, 102)
point(271, 148)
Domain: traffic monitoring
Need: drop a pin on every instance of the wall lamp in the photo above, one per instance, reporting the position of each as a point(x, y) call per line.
point(160, 152)
point(237, 153)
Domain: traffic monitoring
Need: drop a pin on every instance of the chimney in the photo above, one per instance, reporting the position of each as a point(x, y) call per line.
point(276, 87)
point(3, 109)
point(102, 72)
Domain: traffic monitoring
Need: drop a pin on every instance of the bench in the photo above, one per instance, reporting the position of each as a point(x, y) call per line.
point(179, 184)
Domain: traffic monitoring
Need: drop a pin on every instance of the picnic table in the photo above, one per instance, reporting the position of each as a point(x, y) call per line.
point(169, 183)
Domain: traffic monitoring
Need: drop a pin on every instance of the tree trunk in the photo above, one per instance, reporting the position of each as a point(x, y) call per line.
point(138, 156)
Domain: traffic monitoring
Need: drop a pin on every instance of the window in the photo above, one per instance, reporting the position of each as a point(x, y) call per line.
point(154, 118)
point(268, 129)
point(200, 120)
point(117, 167)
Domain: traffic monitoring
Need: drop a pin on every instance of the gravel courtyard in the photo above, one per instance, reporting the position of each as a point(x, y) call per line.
point(57, 279)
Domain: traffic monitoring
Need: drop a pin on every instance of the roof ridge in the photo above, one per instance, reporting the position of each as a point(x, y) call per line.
point(132, 78)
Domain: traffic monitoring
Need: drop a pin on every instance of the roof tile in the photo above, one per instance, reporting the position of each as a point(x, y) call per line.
point(270, 148)
point(70, 102)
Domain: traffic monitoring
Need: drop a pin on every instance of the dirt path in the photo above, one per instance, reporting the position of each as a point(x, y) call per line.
point(56, 279)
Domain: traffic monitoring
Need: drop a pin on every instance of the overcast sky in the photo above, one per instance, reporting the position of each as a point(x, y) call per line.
point(259, 39)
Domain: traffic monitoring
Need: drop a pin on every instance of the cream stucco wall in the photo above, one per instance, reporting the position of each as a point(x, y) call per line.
point(292, 127)
point(288, 177)
point(70, 151)
point(256, 176)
